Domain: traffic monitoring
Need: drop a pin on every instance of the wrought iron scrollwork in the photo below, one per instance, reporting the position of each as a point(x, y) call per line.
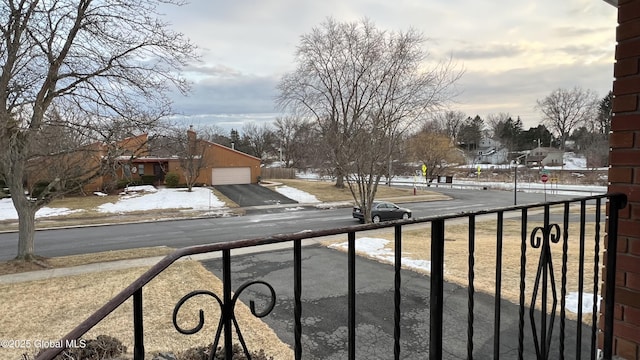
point(227, 313)
point(541, 238)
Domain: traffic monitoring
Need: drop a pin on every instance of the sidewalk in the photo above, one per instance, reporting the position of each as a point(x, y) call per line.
point(127, 264)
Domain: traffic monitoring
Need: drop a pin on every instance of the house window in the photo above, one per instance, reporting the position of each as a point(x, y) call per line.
point(140, 169)
point(127, 170)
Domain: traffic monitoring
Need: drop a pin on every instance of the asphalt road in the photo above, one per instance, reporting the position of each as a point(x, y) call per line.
point(324, 309)
point(256, 223)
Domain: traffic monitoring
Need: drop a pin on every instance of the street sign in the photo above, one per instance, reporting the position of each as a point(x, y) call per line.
point(424, 170)
point(544, 178)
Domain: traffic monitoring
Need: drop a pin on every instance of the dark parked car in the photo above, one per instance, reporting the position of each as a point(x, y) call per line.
point(383, 211)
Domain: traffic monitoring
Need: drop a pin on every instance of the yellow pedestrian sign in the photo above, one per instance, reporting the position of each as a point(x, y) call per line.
point(424, 170)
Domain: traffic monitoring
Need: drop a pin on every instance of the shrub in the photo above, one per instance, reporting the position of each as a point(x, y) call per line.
point(102, 348)
point(123, 183)
point(39, 187)
point(148, 179)
point(202, 353)
point(172, 180)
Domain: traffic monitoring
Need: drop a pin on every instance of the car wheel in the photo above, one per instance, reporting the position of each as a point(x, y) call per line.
point(376, 219)
point(405, 216)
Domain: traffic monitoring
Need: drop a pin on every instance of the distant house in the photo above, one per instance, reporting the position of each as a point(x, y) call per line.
point(131, 159)
point(490, 151)
point(219, 165)
point(545, 156)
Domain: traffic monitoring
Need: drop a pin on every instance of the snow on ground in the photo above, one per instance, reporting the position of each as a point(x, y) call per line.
point(375, 248)
point(135, 198)
point(198, 199)
point(587, 302)
point(8, 212)
point(140, 188)
point(297, 195)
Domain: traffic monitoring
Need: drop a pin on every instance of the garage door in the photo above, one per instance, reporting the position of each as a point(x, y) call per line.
point(231, 176)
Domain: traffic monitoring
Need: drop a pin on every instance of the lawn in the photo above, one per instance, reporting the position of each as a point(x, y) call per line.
point(48, 309)
point(327, 192)
point(13, 266)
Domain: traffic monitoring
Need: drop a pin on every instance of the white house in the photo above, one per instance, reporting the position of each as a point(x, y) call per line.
point(491, 151)
point(545, 156)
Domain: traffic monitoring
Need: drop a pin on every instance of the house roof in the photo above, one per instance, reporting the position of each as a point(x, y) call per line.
point(612, 2)
point(230, 149)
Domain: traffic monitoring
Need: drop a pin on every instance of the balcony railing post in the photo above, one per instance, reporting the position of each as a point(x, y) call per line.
point(471, 288)
point(397, 296)
point(351, 274)
point(436, 289)
point(227, 307)
point(138, 330)
point(616, 203)
point(297, 293)
point(498, 289)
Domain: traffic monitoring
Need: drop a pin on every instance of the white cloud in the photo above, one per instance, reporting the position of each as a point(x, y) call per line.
point(514, 52)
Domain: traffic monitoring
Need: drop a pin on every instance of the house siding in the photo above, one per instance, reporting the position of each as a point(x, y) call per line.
point(624, 176)
point(218, 156)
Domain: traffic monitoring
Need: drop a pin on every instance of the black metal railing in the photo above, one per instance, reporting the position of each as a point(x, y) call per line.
point(536, 237)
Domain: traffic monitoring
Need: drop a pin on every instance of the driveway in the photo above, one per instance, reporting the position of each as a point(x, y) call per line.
point(253, 195)
point(324, 309)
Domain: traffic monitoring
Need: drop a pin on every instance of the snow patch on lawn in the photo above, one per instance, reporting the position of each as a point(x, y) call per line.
point(8, 212)
point(297, 195)
point(198, 199)
point(375, 248)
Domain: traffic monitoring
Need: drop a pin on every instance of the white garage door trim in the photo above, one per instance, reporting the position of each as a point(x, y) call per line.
point(231, 176)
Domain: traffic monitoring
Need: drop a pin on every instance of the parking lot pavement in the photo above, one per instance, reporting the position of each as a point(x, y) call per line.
point(253, 195)
point(324, 309)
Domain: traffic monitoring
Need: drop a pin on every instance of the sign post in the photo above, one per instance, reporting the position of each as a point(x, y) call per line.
point(544, 178)
point(424, 174)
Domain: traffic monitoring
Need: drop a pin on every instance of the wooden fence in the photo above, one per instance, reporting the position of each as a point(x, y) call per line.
point(278, 173)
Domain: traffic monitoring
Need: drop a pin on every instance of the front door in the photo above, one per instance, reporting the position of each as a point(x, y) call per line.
point(159, 173)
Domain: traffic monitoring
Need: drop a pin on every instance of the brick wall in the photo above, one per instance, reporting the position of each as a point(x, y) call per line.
point(624, 176)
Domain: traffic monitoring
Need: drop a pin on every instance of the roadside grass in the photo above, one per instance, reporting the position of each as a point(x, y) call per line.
point(14, 266)
point(327, 192)
point(416, 245)
point(49, 309)
point(83, 202)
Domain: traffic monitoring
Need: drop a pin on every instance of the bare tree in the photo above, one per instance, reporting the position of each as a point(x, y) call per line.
point(187, 147)
point(450, 122)
point(259, 139)
point(110, 63)
point(364, 87)
point(437, 151)
point(295, 140)
point(566, 109)
point(495, 122)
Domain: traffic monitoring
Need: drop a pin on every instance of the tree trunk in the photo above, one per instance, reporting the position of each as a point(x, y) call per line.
point(26, 226)
point(339, 178)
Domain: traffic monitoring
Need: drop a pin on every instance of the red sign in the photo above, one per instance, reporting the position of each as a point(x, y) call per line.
point(544, 178)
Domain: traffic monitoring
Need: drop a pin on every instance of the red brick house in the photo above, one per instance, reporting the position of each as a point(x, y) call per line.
point(220, 165)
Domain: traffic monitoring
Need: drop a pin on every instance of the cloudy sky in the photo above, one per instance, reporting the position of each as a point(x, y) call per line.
point(512, 52)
